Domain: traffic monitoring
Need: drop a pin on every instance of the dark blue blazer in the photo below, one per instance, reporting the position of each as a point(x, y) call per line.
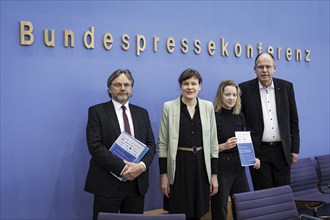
point(287, 114)
point(102, 131)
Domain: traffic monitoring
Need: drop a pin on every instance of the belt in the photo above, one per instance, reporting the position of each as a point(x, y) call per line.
point(271, 144)
point(191, 149)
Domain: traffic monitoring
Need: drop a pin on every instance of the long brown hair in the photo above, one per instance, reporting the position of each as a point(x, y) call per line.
point(218, 98)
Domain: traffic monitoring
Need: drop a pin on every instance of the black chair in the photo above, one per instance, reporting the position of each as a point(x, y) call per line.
point(304, 186)
point(125, 216)
point(274, 203)
point(323, 162)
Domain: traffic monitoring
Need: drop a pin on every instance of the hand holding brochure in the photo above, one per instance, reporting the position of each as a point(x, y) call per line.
point(128, 148)
point(245, 148)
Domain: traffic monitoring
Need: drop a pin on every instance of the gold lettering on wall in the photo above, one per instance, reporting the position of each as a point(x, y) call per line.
point(156, 41)
point(288, 53)
point(270, 50)
point(279, 49)
point(237, 50)
point(307, 58)
point(26, 29)
point(27, 39)
point(49, 42)
point(298, 55)
point(170, 44)
point(197, 44)
point(184, 44)
point(249, 51)
point(224, 45)
point(68, 35)
point(140, 44)
point(125, 39)
point(89, 35)
point(211, 48)
point(259, 47)
point(107, 41)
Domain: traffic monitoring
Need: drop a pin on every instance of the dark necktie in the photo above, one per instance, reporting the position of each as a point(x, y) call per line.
point(126, 123)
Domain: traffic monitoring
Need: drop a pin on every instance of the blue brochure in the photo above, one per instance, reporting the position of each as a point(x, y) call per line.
point(129, 149)
point(245, 148)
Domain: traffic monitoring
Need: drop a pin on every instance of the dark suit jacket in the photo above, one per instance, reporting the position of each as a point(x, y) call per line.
point(102, 131)
point(286, 114)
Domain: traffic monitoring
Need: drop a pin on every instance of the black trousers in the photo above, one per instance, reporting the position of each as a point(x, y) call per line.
point(127, 199)
point(232, 179)
point(274, 170)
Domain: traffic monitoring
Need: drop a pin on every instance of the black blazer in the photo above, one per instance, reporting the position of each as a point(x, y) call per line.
point(102, 131)
point(287, 114)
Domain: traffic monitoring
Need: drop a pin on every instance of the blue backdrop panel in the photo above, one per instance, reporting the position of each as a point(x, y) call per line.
point(45, 92)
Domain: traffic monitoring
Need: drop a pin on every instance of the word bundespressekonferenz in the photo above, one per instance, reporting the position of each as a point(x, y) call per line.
point(184, 45)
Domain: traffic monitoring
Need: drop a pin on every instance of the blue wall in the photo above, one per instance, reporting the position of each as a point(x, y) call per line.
point(45, 92)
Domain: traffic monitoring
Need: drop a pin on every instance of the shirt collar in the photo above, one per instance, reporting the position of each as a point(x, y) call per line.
point(270, 86)
point(117, 105)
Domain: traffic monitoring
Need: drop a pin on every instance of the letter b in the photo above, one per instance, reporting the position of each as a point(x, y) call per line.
point(26, 29)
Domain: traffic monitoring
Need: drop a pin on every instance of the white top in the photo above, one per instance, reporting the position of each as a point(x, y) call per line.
point(268, 103)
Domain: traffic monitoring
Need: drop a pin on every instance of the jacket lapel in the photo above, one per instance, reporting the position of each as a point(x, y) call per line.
point(278, 99)
point(256, 94)
point(112, 116)
point(135, 116)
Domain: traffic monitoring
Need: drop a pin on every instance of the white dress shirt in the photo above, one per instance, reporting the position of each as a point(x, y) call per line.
point(268, 103)
point(119, 112)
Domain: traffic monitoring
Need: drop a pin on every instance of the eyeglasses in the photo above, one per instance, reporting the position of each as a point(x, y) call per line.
point(120, 85)
point(263, 67)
